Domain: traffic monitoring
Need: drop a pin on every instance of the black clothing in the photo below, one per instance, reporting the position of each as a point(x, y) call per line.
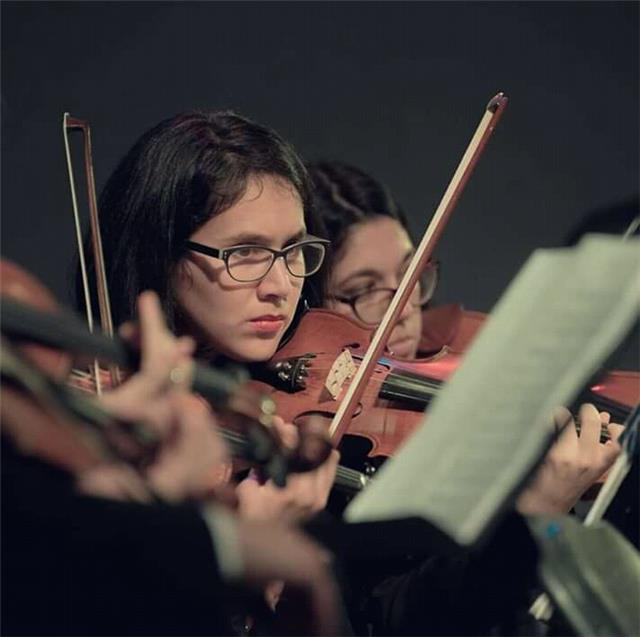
point(405, 578)
point(624, 511)
point(73, 564)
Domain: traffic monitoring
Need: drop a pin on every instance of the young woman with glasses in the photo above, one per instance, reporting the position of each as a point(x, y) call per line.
point(214, 213)
point(211, 211)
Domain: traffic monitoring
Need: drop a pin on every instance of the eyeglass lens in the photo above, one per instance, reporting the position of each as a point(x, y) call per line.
point(253, 262)
point(371, 306)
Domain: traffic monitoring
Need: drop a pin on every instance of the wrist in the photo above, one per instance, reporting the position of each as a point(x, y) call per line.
point(532, 503)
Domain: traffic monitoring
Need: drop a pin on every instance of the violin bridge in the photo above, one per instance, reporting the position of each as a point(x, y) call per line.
point(342, 369)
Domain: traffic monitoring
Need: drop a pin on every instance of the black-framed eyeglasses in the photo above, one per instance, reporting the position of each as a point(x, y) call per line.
point(249, 263)
point(370, 305)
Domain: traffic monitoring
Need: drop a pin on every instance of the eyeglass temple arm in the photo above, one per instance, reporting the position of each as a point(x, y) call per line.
point(200, 247)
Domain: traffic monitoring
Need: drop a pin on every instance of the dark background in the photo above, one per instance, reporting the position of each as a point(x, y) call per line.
point(395, 88)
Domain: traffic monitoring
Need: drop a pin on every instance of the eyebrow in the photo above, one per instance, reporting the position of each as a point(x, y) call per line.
point(358, 274)
point(374, 274)
point(261, 239)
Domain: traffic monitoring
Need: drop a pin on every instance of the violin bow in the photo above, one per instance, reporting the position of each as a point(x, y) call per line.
point(70, 124)
point(463, 173)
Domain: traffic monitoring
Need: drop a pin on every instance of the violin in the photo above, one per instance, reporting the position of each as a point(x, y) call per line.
point(247, 437)
point(449, 326)
point(310, 374)
point(38, 414)
point(16, 283)
point(51, 335)
point(449, 330)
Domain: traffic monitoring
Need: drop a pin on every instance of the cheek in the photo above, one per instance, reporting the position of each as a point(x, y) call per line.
point(411, 326)
point(204, 306)
point(416, 324)
point(218, 310)
point(208, 295)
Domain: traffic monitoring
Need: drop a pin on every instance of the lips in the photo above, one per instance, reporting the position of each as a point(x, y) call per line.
point(269, 317)
point(268, 323)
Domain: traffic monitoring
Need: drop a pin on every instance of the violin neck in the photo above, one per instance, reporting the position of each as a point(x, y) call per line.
point(619, 412)
point(417, 392)
point(347, 480)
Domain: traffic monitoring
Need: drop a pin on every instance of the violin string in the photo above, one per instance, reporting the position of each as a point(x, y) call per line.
point(422, 388)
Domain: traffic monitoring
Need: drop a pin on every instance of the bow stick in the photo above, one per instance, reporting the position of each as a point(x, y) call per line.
point(347, 408)
point(104, 305)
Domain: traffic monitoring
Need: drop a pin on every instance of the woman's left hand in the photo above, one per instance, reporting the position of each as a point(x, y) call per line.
point(572, 464)
point(304, 495)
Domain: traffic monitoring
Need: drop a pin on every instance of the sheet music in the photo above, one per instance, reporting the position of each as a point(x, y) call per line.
point(562, 314)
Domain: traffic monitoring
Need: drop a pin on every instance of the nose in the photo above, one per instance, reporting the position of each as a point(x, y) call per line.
point(409, 307)
point(277, 283)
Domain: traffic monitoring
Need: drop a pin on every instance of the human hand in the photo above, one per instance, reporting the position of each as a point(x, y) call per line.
point(143, 397)
point(115, 481)
point(304, 495)
point(191, 460)
point(572, 464)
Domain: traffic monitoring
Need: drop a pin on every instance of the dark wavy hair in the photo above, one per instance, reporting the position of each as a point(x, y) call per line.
point(177, 176)
point(344, 195)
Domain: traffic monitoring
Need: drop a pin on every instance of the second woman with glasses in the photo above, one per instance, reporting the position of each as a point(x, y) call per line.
point(371, 249)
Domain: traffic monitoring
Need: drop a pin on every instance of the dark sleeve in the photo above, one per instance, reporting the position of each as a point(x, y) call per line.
point(81, 565)
point(405, 577)
point(465, 594)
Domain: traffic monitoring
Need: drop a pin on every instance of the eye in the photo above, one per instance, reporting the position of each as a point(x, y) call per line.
point(405, 264)
point(248, 252)
point(294, 252)
point(363, 289)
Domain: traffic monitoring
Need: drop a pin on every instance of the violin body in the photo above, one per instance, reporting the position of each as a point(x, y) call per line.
point(618, 387)
point(449, 326)
point(309, 375)
point(448, 330)
point(39, 432)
